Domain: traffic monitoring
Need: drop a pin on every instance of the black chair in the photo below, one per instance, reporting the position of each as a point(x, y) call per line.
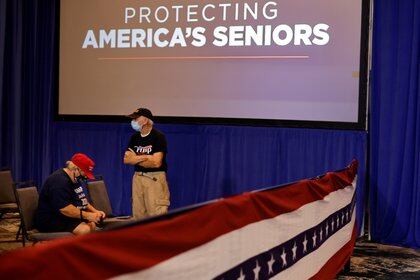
point(7, 195)
point(100, 200)
point(27, 201)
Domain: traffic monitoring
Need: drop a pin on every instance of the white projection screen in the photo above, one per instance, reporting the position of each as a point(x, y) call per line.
point(289, 62)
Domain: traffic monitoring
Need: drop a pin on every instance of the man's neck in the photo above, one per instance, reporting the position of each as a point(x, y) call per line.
point(70, 174)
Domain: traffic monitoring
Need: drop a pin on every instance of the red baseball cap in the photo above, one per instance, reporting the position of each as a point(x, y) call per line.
point(85, 163)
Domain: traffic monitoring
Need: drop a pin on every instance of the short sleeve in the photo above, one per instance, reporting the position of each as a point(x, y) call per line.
point(161, 145)
point(60, 197)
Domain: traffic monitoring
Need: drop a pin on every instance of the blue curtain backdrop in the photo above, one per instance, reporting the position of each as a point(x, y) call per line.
point(395, 124)
point(27, 41)
point(205, 161)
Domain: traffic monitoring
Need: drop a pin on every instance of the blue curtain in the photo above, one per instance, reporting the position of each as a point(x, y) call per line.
point(3, 114)
point(27, 73)
point(205, 161)
point(395, 124)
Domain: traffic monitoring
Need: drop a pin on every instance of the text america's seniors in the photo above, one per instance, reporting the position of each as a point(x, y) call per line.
point(197, 36)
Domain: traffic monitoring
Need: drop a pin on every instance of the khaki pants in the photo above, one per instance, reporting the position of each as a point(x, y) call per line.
point(150, 194)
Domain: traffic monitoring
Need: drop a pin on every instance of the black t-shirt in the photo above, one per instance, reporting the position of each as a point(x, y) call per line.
point(58, 192)
point(148, 145)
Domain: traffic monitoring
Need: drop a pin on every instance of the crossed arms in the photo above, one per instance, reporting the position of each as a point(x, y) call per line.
point(147, 161)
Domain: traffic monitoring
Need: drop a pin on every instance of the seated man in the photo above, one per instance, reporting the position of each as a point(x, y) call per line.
point(63, 205)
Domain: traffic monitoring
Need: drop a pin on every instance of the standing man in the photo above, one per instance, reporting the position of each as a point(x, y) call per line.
point(63, 205)
point(147, 152)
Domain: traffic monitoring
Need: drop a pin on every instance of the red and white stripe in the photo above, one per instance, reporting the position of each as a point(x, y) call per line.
point(204, 242)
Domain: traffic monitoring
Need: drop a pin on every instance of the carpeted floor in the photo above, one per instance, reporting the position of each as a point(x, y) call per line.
point(9, 225)
point(369, 261)
point(376, 261)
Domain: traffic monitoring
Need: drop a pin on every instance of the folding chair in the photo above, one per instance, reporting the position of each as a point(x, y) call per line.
point(27, 200)
point(7, 195)
point(100, 200)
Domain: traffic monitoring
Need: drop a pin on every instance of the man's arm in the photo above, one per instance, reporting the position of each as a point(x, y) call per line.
point(74, 212)
point(151, 161)
point(130, 157)
point(90, 208)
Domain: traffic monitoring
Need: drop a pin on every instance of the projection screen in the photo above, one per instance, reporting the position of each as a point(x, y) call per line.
point(231, 61)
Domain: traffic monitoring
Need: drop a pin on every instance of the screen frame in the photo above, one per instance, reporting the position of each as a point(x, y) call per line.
point(361, 123)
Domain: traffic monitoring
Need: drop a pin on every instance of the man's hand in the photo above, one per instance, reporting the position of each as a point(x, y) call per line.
point(130, 157)
point(102, 213)
point(130, 154)
point(92, 216)
point(92, 209)
point(152, 161)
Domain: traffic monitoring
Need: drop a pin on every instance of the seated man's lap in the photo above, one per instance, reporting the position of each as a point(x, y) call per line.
point(60, 225)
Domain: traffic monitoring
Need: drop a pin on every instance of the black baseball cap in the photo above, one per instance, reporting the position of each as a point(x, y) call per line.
point(141, 112)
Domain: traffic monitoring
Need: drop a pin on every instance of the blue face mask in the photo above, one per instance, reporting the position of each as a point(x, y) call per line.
point(135, 125)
